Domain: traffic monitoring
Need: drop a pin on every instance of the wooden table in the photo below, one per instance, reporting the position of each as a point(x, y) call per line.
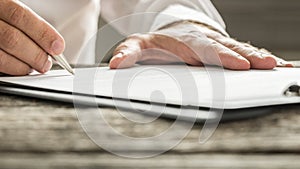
point(37, 134)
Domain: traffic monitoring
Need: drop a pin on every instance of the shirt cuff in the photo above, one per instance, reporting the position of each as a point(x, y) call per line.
point(177, 13)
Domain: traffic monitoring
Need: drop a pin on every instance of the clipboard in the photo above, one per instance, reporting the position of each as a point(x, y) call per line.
point(268, 89)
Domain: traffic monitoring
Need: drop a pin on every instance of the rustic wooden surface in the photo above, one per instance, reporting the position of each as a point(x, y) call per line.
point(39, 134)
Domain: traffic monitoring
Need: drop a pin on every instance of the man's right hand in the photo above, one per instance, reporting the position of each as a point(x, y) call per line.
point(26, 40)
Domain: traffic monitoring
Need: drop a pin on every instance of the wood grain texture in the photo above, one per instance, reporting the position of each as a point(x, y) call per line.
point(37, 134)
point(167, 161)
point(29, 125)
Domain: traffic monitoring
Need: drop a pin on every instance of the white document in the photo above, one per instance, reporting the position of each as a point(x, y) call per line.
point(173, 84)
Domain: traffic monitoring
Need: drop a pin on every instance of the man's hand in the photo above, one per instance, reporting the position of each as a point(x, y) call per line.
point(194, 44)
point(26, 40)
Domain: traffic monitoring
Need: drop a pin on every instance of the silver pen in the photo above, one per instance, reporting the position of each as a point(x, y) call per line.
point(61, 60)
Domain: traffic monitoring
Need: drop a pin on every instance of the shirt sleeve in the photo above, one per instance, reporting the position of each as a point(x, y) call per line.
point(139, 16)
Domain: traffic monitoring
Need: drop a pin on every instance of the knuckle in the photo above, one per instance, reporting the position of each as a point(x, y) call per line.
point(10, 38)
point(214, 44)
point(120, 48)
point(135, 36)
point(128, 45)
point(44, 34)
point(229, 43)
point(18, 69)
point(233, 46)
point(15, 13)
point(39, 60)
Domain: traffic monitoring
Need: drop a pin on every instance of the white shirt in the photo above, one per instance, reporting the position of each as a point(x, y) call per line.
point(77, 20)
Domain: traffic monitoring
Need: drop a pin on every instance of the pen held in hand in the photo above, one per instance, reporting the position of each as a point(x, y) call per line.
point(60, 59)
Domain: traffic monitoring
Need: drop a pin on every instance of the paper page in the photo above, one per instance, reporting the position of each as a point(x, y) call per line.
point(174, 84)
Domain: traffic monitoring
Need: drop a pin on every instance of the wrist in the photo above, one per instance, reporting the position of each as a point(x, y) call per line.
point(194, 23)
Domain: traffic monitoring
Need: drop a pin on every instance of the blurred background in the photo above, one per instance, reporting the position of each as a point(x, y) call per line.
point(272, 24)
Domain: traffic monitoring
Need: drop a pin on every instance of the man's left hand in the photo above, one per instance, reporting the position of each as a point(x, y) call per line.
point(193, 44)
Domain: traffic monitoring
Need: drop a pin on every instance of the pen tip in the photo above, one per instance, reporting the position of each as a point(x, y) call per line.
point(70, 70)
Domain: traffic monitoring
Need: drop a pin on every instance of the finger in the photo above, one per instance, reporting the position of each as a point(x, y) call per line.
point(126, 54)
point(12, 66)
point(283, 63)
point(164, 49)
point(151, 49)
point(218, 54)
point(205, 49)
point(16, 43)
point(257, 59)
point(280, 62)
point(18, 15)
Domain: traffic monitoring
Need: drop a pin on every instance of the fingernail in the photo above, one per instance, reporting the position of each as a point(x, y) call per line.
point(57, 47)
point(48, 65)
point(289, 65)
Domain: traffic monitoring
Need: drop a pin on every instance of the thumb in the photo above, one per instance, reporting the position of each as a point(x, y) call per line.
point(127, 53)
